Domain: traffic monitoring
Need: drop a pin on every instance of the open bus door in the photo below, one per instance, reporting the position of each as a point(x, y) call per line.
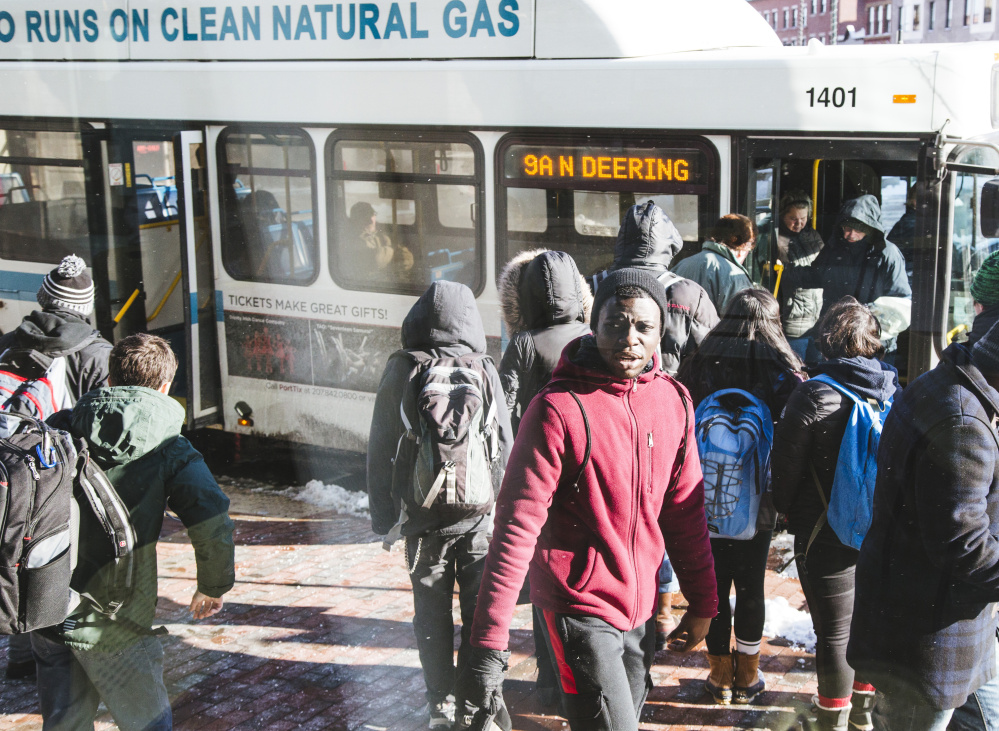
point(198, 281)
point(900, 173)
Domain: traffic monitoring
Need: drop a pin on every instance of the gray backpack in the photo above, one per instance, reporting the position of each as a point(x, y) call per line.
point(443, 463)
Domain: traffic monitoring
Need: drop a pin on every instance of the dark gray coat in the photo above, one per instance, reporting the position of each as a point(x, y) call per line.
point(649, 240)
point(546, 305)
point(444, 322)
point(928, 573)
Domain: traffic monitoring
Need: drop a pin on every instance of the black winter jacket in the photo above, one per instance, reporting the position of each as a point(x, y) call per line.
point(810, 433)
point(546, 305)
point(928, 574)
point(649, 240)
point(60, 332)
point(444, 322)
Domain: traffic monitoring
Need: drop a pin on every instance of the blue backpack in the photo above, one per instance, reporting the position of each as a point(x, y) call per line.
point(851, 502)
point(734, 437)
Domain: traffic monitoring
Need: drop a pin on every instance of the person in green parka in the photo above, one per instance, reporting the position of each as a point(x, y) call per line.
point(132, 429)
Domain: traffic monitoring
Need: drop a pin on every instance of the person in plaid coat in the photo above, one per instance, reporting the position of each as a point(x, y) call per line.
point(927, 582)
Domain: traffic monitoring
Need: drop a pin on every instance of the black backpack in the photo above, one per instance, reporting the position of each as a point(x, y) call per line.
point(443, 463)
point(49, 488)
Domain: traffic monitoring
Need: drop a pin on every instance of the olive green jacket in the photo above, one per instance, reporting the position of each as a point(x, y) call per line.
point(134, 435)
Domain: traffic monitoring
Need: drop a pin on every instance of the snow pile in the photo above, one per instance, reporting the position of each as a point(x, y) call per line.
point(784, 545)
point(331, 497)
point(785, 621)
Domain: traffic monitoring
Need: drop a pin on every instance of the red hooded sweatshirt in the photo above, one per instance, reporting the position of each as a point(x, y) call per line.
point(598, 547)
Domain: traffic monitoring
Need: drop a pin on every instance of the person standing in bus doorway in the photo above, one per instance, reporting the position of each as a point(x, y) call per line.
point(61, 328)
point(649, 241)
point(927, 587)
point(546, 305)
point(563, 514)
point(798, 244)
point(720, 266)
point(859, 261)
point(443, 362)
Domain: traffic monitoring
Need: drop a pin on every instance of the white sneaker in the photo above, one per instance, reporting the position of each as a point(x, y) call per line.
point(442, 714)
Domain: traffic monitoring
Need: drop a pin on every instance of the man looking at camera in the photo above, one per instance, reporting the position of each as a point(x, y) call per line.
point(603, 476)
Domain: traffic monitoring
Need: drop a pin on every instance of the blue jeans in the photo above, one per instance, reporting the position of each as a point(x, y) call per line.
point(981, 711)
point(72, 683)
point(668, 581)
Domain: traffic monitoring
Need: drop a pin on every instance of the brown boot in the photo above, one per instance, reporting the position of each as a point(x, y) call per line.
point(748, 681)
point(665, 622)
point(719, 682)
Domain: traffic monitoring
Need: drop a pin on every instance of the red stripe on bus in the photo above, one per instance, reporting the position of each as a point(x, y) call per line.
point(564, 671)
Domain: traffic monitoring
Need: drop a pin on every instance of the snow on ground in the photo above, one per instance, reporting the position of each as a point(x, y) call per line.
point(785, 621)
point(784, 544)
point(327, 497)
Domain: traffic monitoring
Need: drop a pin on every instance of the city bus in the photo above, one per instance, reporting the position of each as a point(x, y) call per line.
point(223, 167)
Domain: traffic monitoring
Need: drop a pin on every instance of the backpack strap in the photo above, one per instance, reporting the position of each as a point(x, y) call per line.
point(682, 457)
point(819, 524)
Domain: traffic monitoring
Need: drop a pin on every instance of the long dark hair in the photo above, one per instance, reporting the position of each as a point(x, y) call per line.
point(747, 350)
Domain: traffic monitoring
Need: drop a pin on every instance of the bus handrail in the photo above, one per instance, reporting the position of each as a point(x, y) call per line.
point(972, 143)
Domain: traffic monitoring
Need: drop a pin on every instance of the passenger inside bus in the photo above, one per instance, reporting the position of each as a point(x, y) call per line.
point(275, 247)
point(373, 255)
point(798, 244)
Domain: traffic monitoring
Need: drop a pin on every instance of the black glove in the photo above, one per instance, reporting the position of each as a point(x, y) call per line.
point(479, 691)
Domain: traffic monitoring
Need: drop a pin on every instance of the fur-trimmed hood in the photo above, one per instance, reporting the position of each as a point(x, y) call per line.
point(539, 288)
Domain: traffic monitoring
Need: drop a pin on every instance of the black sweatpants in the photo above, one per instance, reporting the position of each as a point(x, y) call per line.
point(827, 579)
point(435, 562)
point(744, 564)
point(603, 672)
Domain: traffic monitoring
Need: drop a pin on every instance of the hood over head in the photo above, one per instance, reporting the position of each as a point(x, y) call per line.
point(539, 288)
point(444, 315)
point(124, 423)
point(866, 377)
point(647, 239)
point(54, 332)
point(865, 210)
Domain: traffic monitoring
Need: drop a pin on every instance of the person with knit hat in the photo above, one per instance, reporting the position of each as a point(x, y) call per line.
point(602, 478)
point(927, 578)
point(985, 294)
point(60, 328)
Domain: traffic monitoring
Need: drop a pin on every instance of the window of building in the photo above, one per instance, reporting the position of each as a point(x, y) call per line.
point(967, 12)
point(811, 7)
point(948, 14)
point(268, 183)
point(887, 26)
point(794, 17)
point(987, 12)
point(871, 15)
point(402, 210)
point(915, 16)
point(43, 205)
point(930, 15)
point(571, 195)
point(785, 18)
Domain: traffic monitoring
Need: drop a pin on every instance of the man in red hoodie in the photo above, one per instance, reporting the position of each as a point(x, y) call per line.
point(603, 476)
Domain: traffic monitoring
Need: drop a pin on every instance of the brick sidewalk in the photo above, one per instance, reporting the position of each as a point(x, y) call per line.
point(317, 634)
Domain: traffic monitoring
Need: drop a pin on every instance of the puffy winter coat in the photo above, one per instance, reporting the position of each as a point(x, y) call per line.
point(800, 308)
point(927, 579)
point(715, 268)
point(596, 550)
point(60, 332)
point(134, 436)
point(649, 240)
point(546, 304)
point(811, 432)
point(443, 323)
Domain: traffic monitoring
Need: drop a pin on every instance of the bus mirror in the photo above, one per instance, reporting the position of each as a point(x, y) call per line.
point(990, 208)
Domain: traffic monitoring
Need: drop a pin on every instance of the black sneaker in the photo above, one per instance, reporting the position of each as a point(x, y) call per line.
point(441, 714)
point(20, 670)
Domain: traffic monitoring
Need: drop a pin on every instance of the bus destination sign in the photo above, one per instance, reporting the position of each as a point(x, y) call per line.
point(630, 169)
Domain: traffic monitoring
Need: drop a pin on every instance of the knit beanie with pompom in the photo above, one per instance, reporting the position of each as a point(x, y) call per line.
point(68, 287)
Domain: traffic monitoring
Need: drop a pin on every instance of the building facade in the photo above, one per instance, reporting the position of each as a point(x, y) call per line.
point(881, 21)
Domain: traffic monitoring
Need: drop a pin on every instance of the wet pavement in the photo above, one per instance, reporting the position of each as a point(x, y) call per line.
point(317, 634)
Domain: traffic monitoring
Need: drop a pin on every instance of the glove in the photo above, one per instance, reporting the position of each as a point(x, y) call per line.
point(479, 692)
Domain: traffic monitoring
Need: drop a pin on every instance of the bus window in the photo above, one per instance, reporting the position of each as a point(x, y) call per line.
point(573, 197)
point(403, 211)
point(970, 246)
point(268, 192)
point(43, 208)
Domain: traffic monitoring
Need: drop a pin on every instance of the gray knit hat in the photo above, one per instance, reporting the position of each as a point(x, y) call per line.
point(985, 352)
point(985, 286)
point(630, 277)
point(68, 286)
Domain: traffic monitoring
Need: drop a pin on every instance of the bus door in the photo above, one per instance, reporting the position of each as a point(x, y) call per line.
point(828, 172)
point(198, 281)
